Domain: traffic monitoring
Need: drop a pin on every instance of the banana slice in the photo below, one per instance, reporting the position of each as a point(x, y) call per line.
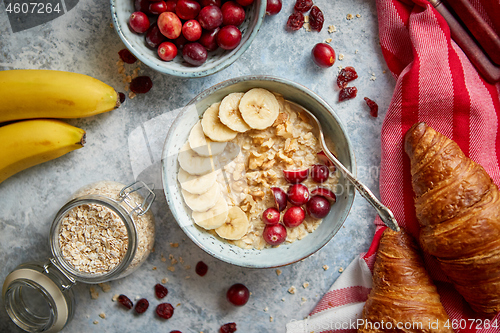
point(229, 113)
point(259, 108)
point(214, 217)
point(193, 163)
point(203, 145)
point(202, 202)
point(196, 184)
point(212, 126)
point(235, 226)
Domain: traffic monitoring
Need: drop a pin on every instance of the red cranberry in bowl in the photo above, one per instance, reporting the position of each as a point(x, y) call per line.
point(210, 17)
point(228, 37)
point(271, 216)
point(320, 173)
point(245, 2)
point(167, 51)
point(209, 39)
point(142, 6)
point(171, 4)
point(318, 207)
point(280, 198)
point(187, 9)
point(154, 37)
point(298, 194)
point(194, 54)
point(274, 234)
point(232, 13)
point(158, 7)
point(205, 3)
point(294, 216)
point(170, 25)
point(325, 160)
point(325, 193)
point(191, 30)
point(180, 42)
point(139, 22)
point(238, 294)
point(296, 176)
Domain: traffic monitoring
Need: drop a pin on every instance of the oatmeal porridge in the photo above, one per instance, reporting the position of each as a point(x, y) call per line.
point(244, 148)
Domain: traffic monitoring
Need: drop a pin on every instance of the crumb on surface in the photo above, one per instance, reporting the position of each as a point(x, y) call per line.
point(163, 259)
point(292, 290)
point(178, 304)
point(278, 272)
point(341, 56)
point(106, 287)
point(325, 267)
point(188, 277)
point(358, 15)
point(164, 280)
point(341, 270)
point(271, 319)
point(331, 28)
point(174, 244)
point(131, 95)
point(282, 299)
point(171, 268)
point(154, 268)
point(306, 18)
point(102, 315)
point(349, 16)
point(307, 27)
point(304, 299)
point(305, 284)
point(95, 322)
point(115, 297)
point(94, 294)
point(328, 40)
point(187, 267)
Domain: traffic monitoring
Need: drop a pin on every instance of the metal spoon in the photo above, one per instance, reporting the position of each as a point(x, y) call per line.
point(385, 213)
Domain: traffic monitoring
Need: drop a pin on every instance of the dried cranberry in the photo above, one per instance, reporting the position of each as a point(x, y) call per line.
point(160, 290)
point(176, 331)
point(346, 75)
point(141, 84)
point(228, 328)
point(126, 56)
point(347, 93)
point(303, 5)
point(295, 21)
point(142, 305)
point(373, 107)
point(125, 301)
point(122, 97)
point(165, 310)
point(201, 268)
point(316, 19)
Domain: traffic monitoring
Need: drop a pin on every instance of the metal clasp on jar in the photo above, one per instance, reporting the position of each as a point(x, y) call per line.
point(147, 193)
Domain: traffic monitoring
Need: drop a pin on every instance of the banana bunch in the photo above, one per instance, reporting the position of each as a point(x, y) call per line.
point(30, 94)
point(206, 149)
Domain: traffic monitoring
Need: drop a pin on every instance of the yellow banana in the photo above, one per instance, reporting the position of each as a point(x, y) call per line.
point(27, 143)
point(33, 93)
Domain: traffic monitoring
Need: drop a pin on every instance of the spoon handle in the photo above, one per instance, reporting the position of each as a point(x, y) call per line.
point(385, 213)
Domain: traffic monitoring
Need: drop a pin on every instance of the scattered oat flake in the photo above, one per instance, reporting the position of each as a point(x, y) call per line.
point(188, 277)
point(341, 56)
point(170, 256)
point(115, 297)
point(384, 71)
point(278, 272)
point(328, 40)
point(164, 259)
point(306, 18)
point(105, 286)
point(271, 319)
point(102, 315)
point(356, 52)
point(164, 280)
point(111, 25)
point(304, 299)
point(266, 309)
point(181, 260)
point(349, 17)
point(341, 270)
point(358, 15)
point(282, 299)
point(171, 268)
point(173, 261)
point(174, 244)
point(305, 284)
point(307, 27)
point(292, 290)
point(331, 28)
point(325, 267)
point(187, 267)
point(96, 322)
point(131, 95)
point(93, 293)
point(373, 78)
point(178, 304)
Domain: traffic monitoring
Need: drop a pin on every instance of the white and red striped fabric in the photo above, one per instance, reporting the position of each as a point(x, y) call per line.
point(436, 83)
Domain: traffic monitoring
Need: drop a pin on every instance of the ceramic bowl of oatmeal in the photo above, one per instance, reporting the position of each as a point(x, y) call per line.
point(230, 154)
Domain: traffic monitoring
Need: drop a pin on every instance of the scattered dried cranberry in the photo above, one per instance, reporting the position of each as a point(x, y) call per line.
point(122, 97)
point(347, 93)
point(346, 75)
point(125, 301)
point(176, 331)
point(160, 290)
point(316, 19)
point(165, 310)
point(228, 328)
point(373, 107)
point(201, 268)
point(142, 305)
point(126, 56)
point(303, 5)
point(295, 21)
point(141, 84)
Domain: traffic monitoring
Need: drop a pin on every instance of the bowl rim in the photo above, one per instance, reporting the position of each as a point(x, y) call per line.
point(179, 73)
point(233, 81)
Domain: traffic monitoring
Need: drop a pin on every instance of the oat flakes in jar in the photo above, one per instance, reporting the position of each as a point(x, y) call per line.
point(104, 232)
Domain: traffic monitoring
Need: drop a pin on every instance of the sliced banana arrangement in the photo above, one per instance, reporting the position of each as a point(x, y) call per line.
point(235, 226)
point(230, 115)
point(259, 108)
point(214, 128)
point(203, 145)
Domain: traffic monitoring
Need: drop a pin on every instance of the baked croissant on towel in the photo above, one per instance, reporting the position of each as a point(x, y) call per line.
point(458, 208)
point(403, 297)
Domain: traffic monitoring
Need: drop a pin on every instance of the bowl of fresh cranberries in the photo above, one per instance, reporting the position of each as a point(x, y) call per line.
point(295, 213)
point(187, 38)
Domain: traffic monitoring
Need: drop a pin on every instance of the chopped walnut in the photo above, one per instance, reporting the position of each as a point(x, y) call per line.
point(282, 118)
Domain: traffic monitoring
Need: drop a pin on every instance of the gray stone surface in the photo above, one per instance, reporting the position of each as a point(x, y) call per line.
point(83, 41)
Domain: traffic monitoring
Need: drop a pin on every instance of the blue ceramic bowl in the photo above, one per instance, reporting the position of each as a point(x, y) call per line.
point(270, 257)
point(217, 60)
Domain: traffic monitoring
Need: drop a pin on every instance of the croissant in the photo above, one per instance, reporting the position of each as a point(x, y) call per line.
point(403, 297)
point(458, 209)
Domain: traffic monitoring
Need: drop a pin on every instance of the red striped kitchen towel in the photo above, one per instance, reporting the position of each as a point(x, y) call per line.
point(436, 83)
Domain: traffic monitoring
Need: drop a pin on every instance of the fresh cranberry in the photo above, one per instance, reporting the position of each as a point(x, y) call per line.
point(176, 331)
point(158, 7)
point(274, 234)
point(187, 9)
point(180, 42)
point(318, 207)
point(209, 39)
point(210, 17)
point(171, 4)
point(296, 176)
point(191, 30)
point(122, 97)
point(294, 216)
point(323, 55)
point(170, 25)
point(194, 54)
point(345, 76)
point(325, 193)
point(142, 305)
point(373, 107)
point(325, 160)
point(273, 7)
point(271, 216)
point(228, 37)
point(320, 173)
point(244, 2)
point(139, 22)
point(280, 198)
point(165, 310)
point(238, 294)
point(228, 328)
point(347, 93)
point(154, 37)
point(167, 51)
point(232, 13)
point(142, 6)
point(298, 194)
point(126, 56)
point(201, 268)
point(125, 301)
point(161, 291)
point(205, 3)
point(141, 85)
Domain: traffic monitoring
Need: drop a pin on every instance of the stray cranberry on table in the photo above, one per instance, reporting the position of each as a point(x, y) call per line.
point(347, 93)
point(228, 328)
point(141, 306)
point(125, 301)
point(345, 76)
point(316, 19)
point(126, 56)
point(373, 107)
point(141, 85)
point(161, 291)
point(295, 21)
point(165, 310)
point(323, 55)
point(238, 294)
point(201, 268)
point(303, 6)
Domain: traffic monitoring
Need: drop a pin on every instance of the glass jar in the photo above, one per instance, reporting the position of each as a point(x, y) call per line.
point(103, 233)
